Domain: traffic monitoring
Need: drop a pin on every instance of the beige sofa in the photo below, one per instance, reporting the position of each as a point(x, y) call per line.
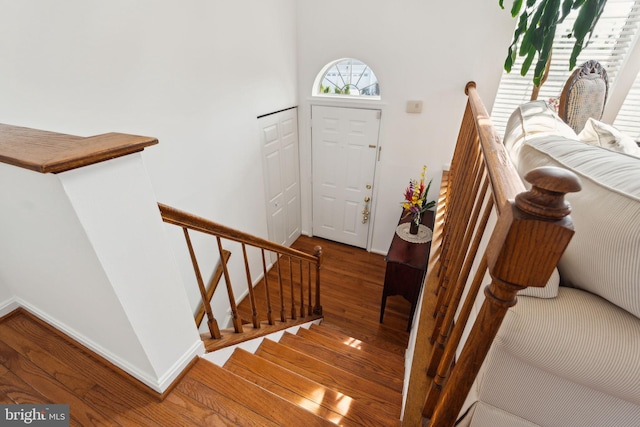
point(569, 354)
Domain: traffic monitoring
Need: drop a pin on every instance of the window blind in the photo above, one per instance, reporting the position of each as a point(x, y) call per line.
point(610, 44)
point(628, 118)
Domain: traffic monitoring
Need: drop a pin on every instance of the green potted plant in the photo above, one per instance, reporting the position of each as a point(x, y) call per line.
point(536, 29)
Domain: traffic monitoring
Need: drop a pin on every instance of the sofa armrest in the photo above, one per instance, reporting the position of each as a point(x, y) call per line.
point(577, 336)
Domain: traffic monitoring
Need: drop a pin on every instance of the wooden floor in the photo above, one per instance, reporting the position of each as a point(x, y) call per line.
point(38, 366)
point(352, 281)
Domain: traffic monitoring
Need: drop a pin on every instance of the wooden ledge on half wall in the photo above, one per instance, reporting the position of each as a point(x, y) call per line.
point(51, 152)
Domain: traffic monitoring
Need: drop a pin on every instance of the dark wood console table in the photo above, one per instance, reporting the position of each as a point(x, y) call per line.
point(406, 267)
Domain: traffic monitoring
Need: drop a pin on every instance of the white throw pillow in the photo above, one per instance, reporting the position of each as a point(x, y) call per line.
point(604, 135)
point(533, 120)
point(603, 255)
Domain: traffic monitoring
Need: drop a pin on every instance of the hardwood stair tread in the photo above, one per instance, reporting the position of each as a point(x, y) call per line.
point(202, 415)
point(337, 406)
point(331, 376)
point(364, 345)
point(277, 382)
point(218, 403)
point(358, 366)
point(390, 362)
point(358, 332)
point(263, 402)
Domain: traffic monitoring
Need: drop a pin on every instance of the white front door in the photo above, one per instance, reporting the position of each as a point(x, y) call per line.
point(344, 151)
point(279, 138)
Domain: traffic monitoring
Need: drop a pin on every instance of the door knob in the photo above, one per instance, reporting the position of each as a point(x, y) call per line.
point(365, 211)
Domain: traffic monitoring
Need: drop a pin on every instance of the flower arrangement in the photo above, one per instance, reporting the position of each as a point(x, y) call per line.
point(415, 198)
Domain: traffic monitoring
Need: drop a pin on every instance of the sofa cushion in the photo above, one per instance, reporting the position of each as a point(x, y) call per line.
point(604, 135)
point(534, 119)
point(572, 360)
point(603, 255)
point(550, 290)
point(484, 415)
point(579, 337)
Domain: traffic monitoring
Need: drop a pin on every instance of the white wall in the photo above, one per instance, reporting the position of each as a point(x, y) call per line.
point(86, 251)
point(116, 207)
point(7, 299)
point(419, 50)
point(195, 74)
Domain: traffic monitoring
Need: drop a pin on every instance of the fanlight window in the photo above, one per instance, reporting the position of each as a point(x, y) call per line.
point(348, 77)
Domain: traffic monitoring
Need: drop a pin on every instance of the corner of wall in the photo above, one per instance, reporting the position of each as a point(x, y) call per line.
point(8, 306)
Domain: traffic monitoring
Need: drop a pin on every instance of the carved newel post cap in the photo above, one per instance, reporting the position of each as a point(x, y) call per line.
point(545, 199)
point(470, 84)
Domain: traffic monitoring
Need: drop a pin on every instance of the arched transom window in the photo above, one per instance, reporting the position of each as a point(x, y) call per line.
point(347, 77)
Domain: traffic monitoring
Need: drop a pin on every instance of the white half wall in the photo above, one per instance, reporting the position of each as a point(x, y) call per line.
point(116, 206)
point(86, 251)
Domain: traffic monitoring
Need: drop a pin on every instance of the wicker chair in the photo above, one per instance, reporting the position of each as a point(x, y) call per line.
point(584, 95)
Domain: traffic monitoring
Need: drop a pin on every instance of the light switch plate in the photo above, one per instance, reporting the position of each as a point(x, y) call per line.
point(414, 106)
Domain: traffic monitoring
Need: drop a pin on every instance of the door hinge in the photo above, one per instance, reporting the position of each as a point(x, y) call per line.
point(379, 115)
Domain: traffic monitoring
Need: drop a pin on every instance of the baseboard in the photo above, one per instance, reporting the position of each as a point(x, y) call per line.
point(8, 306)
point(157, 385)
point(167, 380)
point(378, 252)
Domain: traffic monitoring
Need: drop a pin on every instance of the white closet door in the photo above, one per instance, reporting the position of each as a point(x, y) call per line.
point(279, 139)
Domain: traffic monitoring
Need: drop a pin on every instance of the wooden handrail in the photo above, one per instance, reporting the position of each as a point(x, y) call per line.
point(514, 257)
point(505, 181)
point(189, 221)
point(180, 218)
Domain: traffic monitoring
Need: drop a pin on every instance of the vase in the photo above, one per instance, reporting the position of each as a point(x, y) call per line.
point(413, 228)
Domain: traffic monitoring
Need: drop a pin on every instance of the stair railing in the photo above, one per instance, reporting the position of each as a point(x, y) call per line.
point(531, 233)
point(291, 257)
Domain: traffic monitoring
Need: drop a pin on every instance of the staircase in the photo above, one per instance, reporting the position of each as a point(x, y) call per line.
point(316, 377)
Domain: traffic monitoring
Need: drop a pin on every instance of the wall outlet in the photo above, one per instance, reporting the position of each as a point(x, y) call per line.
point(414, 106)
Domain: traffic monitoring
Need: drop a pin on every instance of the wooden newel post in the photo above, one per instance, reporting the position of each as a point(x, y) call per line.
point(317, 252)
point(515, 261)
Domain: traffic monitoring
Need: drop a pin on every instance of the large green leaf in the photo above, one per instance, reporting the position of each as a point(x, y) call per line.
point(543, 58)
point(515, 8)
point(527, 61)
point(508, 62)
point(536, 29)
